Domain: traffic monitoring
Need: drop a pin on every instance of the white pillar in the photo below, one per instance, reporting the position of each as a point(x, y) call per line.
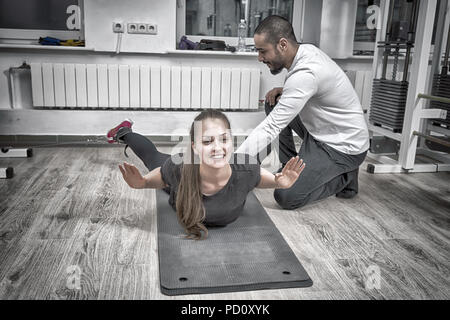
point(337, 30)
point(417, 83)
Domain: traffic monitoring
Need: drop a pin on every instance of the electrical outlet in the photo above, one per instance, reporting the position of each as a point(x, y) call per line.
point(132, 28)
point(141, 28)
point(118, 27)
point(152, 28)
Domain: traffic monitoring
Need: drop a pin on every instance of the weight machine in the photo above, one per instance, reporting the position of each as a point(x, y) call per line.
point(400, 111)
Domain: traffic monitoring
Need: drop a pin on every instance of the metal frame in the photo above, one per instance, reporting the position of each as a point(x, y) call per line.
point(416, 101)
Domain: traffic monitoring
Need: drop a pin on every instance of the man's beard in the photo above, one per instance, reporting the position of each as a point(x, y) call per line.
point(277, 65)
point(276, 71)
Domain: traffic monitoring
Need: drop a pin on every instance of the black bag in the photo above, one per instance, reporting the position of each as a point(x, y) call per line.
point(214, 45)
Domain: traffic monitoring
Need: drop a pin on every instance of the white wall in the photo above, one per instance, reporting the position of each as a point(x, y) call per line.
point(100, 15)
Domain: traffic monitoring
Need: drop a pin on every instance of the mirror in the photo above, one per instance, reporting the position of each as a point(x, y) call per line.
point(221, 18)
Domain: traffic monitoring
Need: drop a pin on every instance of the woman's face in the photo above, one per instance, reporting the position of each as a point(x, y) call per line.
point(212, 142)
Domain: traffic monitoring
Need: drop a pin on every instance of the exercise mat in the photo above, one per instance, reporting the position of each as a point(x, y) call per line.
point(248, 254)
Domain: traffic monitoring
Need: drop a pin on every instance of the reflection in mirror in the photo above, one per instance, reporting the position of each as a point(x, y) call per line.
point(367, 16)
point(367, 19)
point(221, 18)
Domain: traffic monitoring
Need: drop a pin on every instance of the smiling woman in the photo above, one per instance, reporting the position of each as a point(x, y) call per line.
point(208, 184)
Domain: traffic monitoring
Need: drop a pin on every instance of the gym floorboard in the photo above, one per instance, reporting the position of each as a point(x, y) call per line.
point(67, 212)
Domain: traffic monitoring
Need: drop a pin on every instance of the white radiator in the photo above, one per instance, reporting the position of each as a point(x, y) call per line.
point(99, 86)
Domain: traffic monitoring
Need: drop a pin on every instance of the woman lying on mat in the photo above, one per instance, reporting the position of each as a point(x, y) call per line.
point(205, 187)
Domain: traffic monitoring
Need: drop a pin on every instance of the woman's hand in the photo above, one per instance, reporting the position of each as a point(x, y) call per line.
point(132, 176)
point(272, 95)
point(291, 171)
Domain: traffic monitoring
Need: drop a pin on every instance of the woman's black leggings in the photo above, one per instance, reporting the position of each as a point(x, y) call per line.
point(145, 150)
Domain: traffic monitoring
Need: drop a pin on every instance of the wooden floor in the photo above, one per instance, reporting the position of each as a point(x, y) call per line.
point(67, 211)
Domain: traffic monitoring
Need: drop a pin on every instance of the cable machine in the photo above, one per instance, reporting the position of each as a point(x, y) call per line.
point(399, 109)
point(389, 95)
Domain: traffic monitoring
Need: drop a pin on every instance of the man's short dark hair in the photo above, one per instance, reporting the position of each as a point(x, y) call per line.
point(276, 27)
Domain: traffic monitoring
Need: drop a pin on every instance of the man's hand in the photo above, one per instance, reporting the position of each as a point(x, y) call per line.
point(272, 95)
point(290, 173)
point(132, 176)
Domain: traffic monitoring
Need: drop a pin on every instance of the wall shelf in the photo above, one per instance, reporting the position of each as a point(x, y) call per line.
point(41, 47)
point(212, 53)
point(181, 52)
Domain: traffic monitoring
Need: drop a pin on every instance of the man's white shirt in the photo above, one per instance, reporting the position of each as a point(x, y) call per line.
point(317, 90)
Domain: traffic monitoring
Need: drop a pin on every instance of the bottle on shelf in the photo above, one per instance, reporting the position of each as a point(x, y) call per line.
point(242, 34)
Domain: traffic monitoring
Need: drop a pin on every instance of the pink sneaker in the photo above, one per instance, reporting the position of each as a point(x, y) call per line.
point(112, 134)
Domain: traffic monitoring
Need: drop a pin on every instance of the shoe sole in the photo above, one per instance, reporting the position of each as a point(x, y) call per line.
point(116, 129)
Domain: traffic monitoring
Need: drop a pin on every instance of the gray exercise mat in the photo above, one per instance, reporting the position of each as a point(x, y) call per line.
point(248, 254)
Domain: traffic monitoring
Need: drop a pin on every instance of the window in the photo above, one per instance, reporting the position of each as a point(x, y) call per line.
point(367, 18)
point(366, 25)
point(219, 19)
point(24, 21)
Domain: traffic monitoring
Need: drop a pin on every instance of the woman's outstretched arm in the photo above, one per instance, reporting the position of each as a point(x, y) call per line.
point(134, 179)
point(284, 179)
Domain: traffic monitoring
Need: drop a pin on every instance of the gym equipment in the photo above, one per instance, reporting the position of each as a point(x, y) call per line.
point(6, 173)
point(204, 44)
point(16, 153)
point(389, 96)
point(248, 254)
point(399, 109)
point(441, 87)
point(388, 103)
point(432, 138)
point(50, 41)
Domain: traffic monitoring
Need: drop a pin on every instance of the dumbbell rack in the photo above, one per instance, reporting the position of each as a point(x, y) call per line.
point(415, 112)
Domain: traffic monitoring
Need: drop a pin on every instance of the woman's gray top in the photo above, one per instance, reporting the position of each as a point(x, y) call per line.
point(226, 205)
